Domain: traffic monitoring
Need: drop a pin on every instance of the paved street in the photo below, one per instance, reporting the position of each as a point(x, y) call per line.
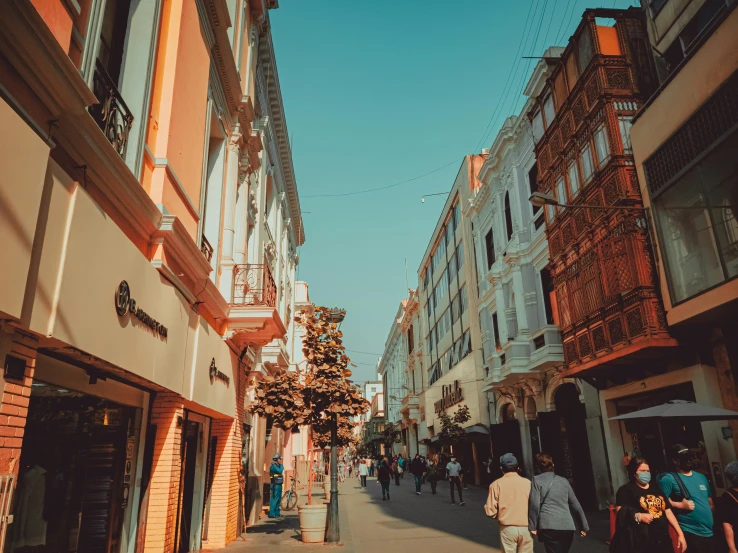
point(407, 522)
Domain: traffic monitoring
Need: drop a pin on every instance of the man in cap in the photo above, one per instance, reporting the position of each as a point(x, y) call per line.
point(690, 495)
point(276, 479)
point(507, 502)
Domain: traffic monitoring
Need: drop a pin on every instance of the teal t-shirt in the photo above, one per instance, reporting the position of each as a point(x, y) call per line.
point(698, 522)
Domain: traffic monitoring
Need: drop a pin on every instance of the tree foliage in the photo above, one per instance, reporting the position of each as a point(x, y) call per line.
point(452, 429)
point(310, 397)
point(389, 436)
point(346, 435)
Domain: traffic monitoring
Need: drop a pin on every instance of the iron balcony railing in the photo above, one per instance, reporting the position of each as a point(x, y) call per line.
point(206, 249)
point(253, 284)
point(111, 113)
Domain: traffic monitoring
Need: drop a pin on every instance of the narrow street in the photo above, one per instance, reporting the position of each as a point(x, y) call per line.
point(407, 522)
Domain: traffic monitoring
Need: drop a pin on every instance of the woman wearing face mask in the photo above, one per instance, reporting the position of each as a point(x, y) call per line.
point(644, 515)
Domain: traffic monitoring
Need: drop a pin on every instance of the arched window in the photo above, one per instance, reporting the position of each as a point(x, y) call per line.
point(508, 217)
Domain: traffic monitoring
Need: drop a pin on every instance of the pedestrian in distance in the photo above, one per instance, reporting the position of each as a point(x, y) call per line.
point(363, 473)
point(384, 477)
point(401, 463)
point(690, 496)
point(453, 470)
point(396, 471)
point(643, 515)
point(432, 475)
point(372, 466)
point(276, 479)
point(550, 507)
point(727, 508)
point(417, 467)
point(507, 502)
point(341, 467)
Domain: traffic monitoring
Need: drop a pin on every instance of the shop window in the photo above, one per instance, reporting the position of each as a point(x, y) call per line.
point(587, 162)
point(573, 179)
point(489, 241)
point(508, 217)
point(602, 145)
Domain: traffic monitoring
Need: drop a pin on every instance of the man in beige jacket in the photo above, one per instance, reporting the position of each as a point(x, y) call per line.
point(508, 503)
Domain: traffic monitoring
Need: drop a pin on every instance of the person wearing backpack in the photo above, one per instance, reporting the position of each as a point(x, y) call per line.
point(550, 507)
point(726, 510)
point(690, 496)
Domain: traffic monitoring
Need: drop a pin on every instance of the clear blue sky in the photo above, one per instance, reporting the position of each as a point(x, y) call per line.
point(379, 92)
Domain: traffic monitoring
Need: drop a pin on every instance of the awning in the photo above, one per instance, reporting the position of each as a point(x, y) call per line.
point(681, 409)
point(477, 429)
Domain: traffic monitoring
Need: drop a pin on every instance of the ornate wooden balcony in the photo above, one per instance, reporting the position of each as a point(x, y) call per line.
point(254, 318)
point(111, 113)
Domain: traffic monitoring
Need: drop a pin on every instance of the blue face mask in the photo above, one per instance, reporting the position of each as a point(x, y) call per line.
point(643, 477)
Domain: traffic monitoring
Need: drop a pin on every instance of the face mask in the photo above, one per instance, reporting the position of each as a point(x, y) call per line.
point(453, 459)
point(643, 477)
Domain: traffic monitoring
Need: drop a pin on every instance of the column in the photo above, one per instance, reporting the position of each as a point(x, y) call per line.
point(166, 466)
point(233, 156)
point(522, 317)
point(242, 214)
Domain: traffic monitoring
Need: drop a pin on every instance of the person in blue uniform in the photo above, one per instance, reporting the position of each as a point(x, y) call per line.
point(276, 479)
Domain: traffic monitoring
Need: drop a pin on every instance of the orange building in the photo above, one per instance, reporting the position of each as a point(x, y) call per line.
point(150, 222)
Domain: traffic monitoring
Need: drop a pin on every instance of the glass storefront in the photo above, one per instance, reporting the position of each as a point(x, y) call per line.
point(76, 473)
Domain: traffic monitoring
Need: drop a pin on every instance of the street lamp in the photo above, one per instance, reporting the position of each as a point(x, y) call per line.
point(539, 199)
point(332, 527)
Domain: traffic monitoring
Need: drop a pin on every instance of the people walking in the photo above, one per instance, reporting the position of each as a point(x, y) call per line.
point(453, 469)
point(690, 495)
point(550, 507)
point(401, 465)
point(507, 502)
point(417, 467)
point(396, 471)
point(432, 475)
point(643, 515)
point(276, 479)
point(384, 477)
point(726, 511)
point(341, 467)
point(363, 473)
point(373, 463)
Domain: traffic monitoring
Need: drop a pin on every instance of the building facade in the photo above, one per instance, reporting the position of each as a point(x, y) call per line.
point(150, 218)
point(684, 141)
point(532, 407)
point(449, 343)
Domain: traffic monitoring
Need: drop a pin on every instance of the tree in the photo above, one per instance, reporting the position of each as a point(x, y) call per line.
point(389, 437)
point(452, 430)
point(322, 432)
point(310, 398)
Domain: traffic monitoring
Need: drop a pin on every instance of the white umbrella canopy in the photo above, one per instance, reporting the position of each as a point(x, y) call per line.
point(681, 409)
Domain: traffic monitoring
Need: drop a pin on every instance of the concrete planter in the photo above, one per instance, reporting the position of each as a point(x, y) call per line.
point(312, 522)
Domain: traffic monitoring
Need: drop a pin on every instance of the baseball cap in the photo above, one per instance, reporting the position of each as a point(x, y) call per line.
point(508, 460)
point(277, 456)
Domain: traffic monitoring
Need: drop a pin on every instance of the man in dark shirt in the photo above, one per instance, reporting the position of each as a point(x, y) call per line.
point(417, 467)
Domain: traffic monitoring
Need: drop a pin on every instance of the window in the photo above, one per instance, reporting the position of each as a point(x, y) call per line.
point(655, 6)
point(508, 217)
point(562, 297)
point(212, 187)
point(452, 269)
point(624, 122)
point(455, 309)
point(489, 241)
point(538, 129)
point(496, 330)
point(561, 192)
point(550, 212)
point(548, 289)
point(533, 184)
point(584, 49)
point(602, 145)
point(426, 279)
point(548, 110)
point(439, 256)
point(460, 256)
point(450, 234)
point(697, 223)
point(410, 339)
point(464, 299)
point(573, 179)
point(587, 163)
point(457, 218)
point(441, 288)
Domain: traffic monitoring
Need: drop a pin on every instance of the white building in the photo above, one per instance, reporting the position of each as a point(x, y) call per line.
point(531, 407)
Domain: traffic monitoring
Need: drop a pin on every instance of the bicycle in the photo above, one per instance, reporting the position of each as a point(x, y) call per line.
point(289, 498)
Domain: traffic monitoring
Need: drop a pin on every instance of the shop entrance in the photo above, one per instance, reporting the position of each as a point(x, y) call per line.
point(564, 436)
point(506, 439)
point(192, 482)
point(72, 488)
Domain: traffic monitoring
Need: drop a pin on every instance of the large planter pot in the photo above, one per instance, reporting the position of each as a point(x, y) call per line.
point(312, 522)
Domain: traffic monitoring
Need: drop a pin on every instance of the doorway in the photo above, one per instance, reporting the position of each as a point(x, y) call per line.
point(195, 431)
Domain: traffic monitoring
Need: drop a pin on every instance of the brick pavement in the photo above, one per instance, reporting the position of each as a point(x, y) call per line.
point(406, 523)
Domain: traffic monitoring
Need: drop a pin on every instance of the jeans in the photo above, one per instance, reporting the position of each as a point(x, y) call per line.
point(397, 479)
point(698, 544)
point(455, 481)
point(433, 482)
point(556, 541)
point(418, 483)
point(275, 498)
point(363, 481)
point(515, 539)
point(385, 487)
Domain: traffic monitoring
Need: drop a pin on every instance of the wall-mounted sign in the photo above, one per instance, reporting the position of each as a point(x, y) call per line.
point(451, 395)
point(216, 374)
point(124, 304)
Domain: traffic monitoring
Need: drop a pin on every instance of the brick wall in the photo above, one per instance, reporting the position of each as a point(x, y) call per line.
point(14, 407)
point(165, 474)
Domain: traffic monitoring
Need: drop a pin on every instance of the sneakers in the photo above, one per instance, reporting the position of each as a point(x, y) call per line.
point(462, 503)
point(453, 503)
point(417, 493)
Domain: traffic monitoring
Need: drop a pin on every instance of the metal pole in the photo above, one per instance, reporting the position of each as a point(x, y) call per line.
point(332, 528)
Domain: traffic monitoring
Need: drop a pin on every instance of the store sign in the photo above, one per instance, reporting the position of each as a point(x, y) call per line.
point(451, 395)
point(216, 374)
point(125, 304)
